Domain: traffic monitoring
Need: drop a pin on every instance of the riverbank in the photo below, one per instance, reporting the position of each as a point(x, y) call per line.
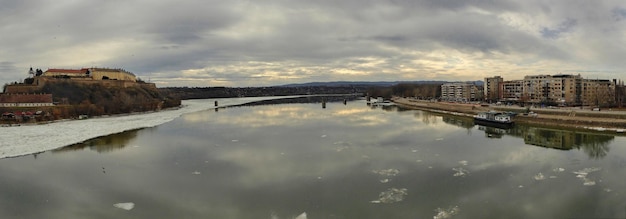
point(30, 139)
point(607, 120)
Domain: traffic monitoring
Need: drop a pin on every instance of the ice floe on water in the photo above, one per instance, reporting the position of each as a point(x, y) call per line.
point(341, 146)
point(584, 172)
point(125, 205)
point(460, 171)
point(387, 172)
point(582, 175)
point(539, 177)
point(446, 213)
point(301, 216)
point(29, 139)
point(392, 195)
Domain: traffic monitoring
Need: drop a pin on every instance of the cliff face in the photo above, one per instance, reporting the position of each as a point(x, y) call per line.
point(98, 99)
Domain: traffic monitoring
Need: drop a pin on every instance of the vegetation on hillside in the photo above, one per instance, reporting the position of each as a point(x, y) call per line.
point(95, 99)
point(422, 91)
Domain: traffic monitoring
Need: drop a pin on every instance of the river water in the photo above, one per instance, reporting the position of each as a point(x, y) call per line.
point(342, 161)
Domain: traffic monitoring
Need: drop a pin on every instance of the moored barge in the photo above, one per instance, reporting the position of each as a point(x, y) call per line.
point(494, 119)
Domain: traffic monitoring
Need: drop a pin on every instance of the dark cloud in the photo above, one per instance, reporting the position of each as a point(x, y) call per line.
point(275, 41)
point(619, 13)
point(563, 27)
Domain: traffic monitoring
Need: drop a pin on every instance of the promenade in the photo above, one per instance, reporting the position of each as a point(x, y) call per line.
point(570, 117)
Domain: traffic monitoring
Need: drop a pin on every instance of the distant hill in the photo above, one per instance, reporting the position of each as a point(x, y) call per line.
point(367, 83)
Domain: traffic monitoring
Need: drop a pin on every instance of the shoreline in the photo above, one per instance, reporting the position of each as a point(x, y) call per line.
point(608, 121)
point(36, 138)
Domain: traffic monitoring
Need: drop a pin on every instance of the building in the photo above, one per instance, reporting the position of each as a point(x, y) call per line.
point(492, 88)
point(560, 89)
point(53, 72)
point(25, 100)
point(598, 92)
point(460, 92)
point(112, 74)
point(552, 90)
point(93, 73)
point(511, 91)
point(620, 93)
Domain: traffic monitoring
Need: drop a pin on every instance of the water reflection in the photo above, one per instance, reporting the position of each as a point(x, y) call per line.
point(595, 145)
point(493, 132)
point(346, 161)
point(104, 144)
point(304, 99)
point(464, 122)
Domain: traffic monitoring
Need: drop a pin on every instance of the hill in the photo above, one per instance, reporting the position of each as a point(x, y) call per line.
point(103, 100)
point(74, 98)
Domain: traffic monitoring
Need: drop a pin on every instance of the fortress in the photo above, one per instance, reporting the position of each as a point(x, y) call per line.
point(92, 73)
point(104, 76)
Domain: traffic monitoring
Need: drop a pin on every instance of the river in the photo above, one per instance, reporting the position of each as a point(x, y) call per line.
point(342, 161)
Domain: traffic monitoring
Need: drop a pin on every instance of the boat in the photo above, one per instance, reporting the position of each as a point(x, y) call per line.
point(494, 119)
point(383, 103)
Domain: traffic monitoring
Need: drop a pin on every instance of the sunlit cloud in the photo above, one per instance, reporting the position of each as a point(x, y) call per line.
point(263, 43)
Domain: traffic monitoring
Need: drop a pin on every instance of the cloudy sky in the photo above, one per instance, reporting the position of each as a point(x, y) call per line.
point(273, 42)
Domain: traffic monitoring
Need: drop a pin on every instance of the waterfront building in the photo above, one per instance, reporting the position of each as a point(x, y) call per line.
point(560, 89)
point(511, 91)
point(492, 88)
point(598, 92)
point(552, 90)
point(460, 92)
point(620, 93)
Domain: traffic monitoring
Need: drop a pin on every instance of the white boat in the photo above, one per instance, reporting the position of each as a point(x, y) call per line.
point(383, 103)
point(495, 119)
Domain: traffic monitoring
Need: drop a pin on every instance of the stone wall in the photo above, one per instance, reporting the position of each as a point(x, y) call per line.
point(39, 82)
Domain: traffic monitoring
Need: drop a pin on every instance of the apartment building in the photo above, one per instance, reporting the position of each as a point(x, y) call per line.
point(552, 89)
point(492, 88)
point(511, 91)
point(560, 89)
point(460, 92)
point(598, 92)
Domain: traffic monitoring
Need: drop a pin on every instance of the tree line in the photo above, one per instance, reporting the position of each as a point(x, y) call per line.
point(421, 91)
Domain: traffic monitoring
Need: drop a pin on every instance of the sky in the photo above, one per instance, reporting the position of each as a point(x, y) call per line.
point(238, 43)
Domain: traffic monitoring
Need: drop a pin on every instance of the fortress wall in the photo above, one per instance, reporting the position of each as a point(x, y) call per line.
point(41, 81)
point(116, 75)
point(20, 88)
